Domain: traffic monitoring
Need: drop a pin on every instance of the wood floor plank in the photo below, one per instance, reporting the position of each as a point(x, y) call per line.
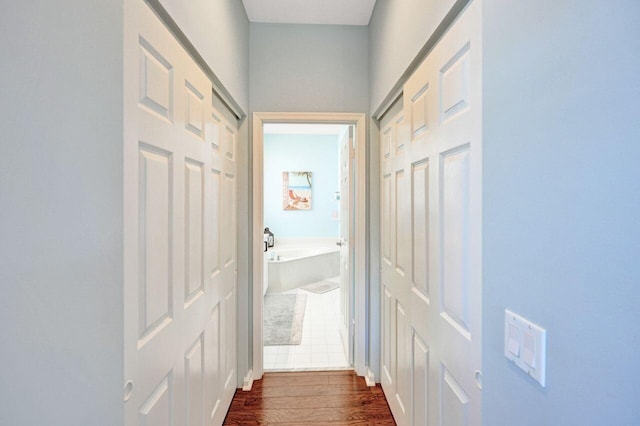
point(326, 415)
point(346, 385)
point(308, 391)
point(349, 423)
point(321, 401)
point(296, 381)
point(348, 373)
point(301, 398)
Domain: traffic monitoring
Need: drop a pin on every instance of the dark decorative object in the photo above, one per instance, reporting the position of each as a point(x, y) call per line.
point(270, 237)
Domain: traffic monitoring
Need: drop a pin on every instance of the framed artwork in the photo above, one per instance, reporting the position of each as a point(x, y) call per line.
point(296, 190)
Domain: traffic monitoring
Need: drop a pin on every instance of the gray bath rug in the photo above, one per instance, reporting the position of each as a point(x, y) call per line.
point(321, 287)
point(283, 317)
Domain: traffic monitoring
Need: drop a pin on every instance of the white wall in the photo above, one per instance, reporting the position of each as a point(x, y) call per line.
point(398, 30)
point(308, 68)
point(219, 29)
point(561, 203)
point(61, 319)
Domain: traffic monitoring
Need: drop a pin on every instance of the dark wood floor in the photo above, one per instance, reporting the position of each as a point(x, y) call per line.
point(318, 397)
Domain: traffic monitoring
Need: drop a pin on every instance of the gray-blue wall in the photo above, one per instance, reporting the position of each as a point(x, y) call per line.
point(561, 193)
point(561, 202)
point(561, 196)
point(61, 180)
point(61, 289)
point(398, 30)
point(309, 68)
point(219, 29)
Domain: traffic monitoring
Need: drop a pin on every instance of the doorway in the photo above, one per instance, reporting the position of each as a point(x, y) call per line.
point(352, 295)
point(306, 275)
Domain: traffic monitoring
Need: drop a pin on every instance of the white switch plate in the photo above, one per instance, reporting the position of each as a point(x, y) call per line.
point(525, 344)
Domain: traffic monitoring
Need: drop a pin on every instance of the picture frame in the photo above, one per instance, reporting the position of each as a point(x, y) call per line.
point(296, 190)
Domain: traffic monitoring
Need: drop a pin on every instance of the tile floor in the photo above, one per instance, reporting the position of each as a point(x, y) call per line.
point(321, 347)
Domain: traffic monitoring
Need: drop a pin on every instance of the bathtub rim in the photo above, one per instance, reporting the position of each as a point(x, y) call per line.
point(309, 254)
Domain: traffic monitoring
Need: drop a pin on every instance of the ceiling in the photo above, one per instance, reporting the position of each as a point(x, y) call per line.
point(335, 12)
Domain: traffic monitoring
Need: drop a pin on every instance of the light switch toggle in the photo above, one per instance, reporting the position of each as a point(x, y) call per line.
point(529, 349)
point(525, 345)
point(514, 340)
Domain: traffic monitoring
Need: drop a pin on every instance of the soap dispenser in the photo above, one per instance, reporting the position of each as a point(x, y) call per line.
point(270, 237)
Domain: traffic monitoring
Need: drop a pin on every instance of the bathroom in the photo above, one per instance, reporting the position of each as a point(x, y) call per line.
point(301, 283)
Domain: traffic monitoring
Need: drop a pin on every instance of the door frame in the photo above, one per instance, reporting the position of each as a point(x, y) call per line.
point(360, 302)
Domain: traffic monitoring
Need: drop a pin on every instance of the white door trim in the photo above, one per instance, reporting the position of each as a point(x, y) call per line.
point(360, 295)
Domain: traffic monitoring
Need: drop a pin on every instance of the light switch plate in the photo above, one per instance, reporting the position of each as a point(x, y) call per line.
point(525, 344)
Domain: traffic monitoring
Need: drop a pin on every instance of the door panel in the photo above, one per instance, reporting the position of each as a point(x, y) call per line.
point(387, 140)
point(454, 406)
point(156, 81)
point(194, 121)
point(194, 230)
point(420, 226)
point(420, 380)
point(180, 237)
point(401, 231)
point(403, 369)
point(454, 84)
point(388, 347)
point(212, 365)
point(402, 133)
point(454, 220)
point(156, 410)
point(431, 208)
point(419, 112)
point(229, 142)
point(229, 341)
point(228, 253)
point(386, 218)
point(194, 378)
point(215, 220)
point(155, 280)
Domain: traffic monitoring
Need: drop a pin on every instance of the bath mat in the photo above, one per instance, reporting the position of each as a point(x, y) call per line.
point(283, 318)
point(321, 287)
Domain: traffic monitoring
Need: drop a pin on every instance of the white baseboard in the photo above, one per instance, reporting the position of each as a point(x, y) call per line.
point(370, 378)
point(247, 383)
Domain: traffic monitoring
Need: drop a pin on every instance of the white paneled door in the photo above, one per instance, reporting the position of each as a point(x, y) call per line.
point(180, 234)
point(431, 209)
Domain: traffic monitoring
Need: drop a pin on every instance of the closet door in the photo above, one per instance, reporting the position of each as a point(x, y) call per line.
point(227, 283)
point(180, 279)
point(431, 241)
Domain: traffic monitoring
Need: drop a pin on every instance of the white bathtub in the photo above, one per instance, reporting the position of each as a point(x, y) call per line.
point(295, 265)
